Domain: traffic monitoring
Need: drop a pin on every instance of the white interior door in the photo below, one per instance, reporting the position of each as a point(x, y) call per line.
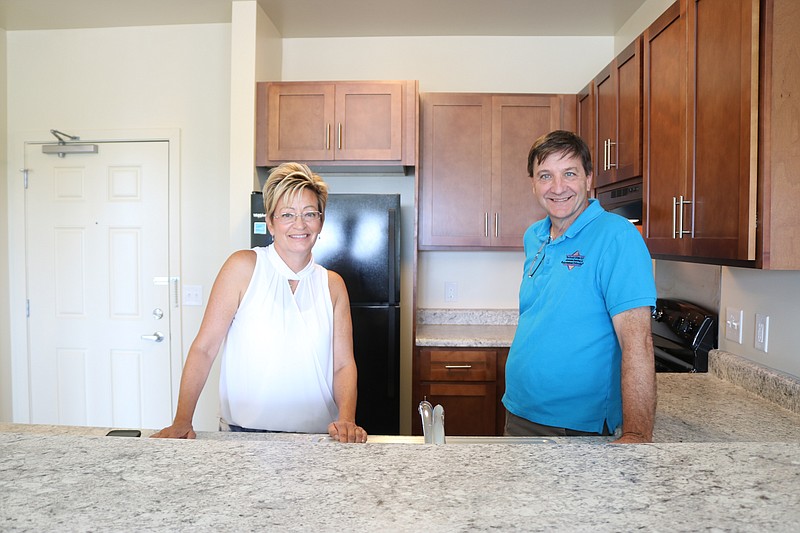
point(97, 261)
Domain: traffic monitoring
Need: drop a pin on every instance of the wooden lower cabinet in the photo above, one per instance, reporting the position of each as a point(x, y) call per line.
point(465, 381)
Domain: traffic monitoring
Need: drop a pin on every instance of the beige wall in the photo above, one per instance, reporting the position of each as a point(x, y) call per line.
point(5, 334)
point(129, 79)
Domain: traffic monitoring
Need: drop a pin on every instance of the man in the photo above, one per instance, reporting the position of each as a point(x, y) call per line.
point(581, 362)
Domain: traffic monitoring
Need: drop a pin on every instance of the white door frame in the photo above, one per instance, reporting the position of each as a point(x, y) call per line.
point(20, 374)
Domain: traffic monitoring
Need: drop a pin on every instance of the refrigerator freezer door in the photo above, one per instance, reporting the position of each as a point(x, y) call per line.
point(361, 242)
point(376, 333)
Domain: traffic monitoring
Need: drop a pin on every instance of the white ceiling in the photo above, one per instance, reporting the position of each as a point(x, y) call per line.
point(339, 18)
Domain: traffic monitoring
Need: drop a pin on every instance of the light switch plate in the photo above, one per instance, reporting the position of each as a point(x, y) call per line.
point(733, 324)
point(192, 295)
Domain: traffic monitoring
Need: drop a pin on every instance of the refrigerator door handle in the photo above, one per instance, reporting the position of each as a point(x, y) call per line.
point(393, 289)
point(392, 353)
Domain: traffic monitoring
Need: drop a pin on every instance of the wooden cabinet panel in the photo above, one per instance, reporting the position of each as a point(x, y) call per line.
point(300, 117)
point(474, 191)
point(665, 139)
point(467, 382)
point(700, 121)
point(779, 159)
point(586, 118)
point(618, 90)
point(517, 121)
point(455, 169)
point(369, 121)
point(458, 365)
point(725, 90)
point(469, 408)
point(337, 123)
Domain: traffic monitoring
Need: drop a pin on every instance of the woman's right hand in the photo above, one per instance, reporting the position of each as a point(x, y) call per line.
point(175, 431)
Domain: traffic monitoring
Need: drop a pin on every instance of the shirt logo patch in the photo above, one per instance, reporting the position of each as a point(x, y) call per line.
point(575, 259)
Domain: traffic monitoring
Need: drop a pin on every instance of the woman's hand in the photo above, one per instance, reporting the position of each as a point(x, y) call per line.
point(346, 431)
point(175, 431)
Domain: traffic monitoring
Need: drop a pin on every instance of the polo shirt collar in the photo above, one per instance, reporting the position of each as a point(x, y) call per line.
point(592, 211)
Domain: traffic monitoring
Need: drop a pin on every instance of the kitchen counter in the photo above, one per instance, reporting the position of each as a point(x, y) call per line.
point(65, 481)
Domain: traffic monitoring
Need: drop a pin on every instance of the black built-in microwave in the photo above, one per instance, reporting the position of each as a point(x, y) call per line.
point(624, 199)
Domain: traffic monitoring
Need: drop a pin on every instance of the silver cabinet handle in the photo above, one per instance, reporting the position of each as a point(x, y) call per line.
point(610, 164)
point(328, 137)
point(681, 231)
point(497, 224)
point(486, 224)
point(674, 206)
point(451, 367)
point(339, 139)
point(155, 337)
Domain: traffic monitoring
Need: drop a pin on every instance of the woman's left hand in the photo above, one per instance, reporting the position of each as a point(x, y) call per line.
point(346, 431)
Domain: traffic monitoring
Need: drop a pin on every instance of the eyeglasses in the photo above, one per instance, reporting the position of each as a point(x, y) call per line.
point(534, 264)
point(289, 218)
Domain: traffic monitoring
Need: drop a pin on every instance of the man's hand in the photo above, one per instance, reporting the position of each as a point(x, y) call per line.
point(632, 438)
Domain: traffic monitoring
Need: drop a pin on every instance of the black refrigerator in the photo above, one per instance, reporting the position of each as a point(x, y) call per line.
point(360, 240)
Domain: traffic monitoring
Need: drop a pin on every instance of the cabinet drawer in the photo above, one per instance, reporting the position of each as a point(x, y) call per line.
point(458, 365)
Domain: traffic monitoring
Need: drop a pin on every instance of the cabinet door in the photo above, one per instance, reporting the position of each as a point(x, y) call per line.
point(665, 144)
point(586, 119)
point(369, 121)
point(628, 68)
point(619, 118)
point(606, 117)
point(517, 121)
point(725, 127)
point(300, 121)
point(469, 408)
point(455, 172)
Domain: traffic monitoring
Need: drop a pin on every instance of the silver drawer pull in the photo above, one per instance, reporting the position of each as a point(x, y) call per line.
point(449, 367)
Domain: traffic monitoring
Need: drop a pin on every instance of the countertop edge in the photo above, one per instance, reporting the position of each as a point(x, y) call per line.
point(773, 385)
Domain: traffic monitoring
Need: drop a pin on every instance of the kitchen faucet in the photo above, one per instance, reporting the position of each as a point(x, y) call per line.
point(432, 422)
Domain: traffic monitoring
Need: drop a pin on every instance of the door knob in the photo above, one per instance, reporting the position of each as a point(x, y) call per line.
point(155, 337)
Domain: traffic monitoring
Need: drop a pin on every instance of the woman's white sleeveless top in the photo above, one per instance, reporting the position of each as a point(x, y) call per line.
point(277, 362)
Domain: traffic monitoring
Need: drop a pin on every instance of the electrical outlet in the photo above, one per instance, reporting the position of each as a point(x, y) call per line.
point(761, 341)
point(450, 291)
point(192, 295)
point(733, 324)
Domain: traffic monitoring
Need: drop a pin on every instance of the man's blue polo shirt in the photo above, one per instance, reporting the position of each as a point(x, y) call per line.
point(563, 367)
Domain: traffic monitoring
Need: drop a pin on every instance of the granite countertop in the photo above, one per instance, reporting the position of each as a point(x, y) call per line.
point(69, 482)
point(724, 458)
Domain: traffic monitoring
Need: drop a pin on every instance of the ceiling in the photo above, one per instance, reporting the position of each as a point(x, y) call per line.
point(339, 18)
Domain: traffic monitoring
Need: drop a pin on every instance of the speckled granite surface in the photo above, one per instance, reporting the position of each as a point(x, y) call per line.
point(724, 459)
point(80, 483)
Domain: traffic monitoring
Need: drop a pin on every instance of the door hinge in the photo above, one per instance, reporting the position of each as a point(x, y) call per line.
point(24, 177)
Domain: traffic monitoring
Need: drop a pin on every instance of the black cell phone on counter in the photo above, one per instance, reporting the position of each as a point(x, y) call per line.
point(124, 433)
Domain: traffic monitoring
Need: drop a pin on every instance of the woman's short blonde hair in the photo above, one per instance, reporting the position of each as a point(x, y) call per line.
point(290, 179)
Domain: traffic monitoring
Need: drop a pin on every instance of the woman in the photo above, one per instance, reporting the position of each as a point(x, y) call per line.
point(288, 357)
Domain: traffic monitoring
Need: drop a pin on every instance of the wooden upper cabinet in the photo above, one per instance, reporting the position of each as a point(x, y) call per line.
point(455, 169)
point(474, 189)
point(586, 119)
point(618, 90)
point(700, 124)
point(517, 121)
point(724, 62)
point(337, 122)
point(779, 158)
point(665, 133)
point(299, 119)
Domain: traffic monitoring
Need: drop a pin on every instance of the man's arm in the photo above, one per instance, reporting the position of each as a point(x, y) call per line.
point(638, 375)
